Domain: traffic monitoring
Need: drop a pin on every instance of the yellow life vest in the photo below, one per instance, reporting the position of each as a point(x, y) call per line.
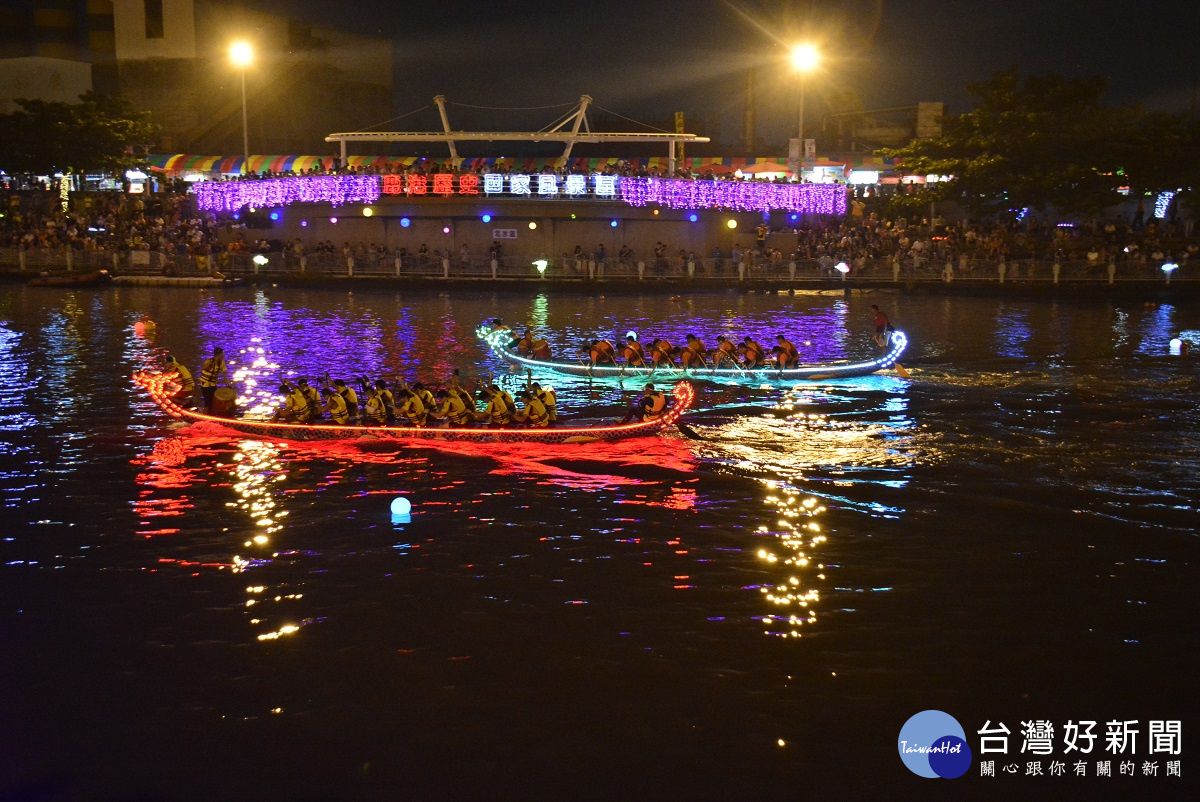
point(297, 406)
point(550, 401)
point(375, 411)
point(497, 411)
point(455, 410)
point(210, 371)
point(185, 380)
point(414, 409)
point(536, 414)
point(337, 409)
point(658, 405)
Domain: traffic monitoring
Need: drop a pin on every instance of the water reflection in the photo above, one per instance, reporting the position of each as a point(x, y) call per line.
point(792, 562)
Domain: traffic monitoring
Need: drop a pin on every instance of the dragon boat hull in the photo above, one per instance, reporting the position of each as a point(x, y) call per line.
point(161, 389)
point(897, 342)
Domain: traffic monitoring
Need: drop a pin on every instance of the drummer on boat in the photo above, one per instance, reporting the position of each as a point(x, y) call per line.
point(536, 348)
point(651, 405)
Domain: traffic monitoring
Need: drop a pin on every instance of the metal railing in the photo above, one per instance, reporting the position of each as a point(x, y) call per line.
point(745, 268)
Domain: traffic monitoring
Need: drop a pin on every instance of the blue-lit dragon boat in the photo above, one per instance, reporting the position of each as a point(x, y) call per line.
point(161, 389)
point(500, 341)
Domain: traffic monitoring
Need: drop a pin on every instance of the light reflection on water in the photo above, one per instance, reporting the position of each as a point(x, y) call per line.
point(820, 515)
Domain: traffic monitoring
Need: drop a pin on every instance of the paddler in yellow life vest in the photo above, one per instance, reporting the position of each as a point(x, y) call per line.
point(785, 353)
point(451, 407)
point(179, 374)
point(211, 372)
point(600, 352)
point(411, 409)
point(311, 396)
point(528, 346)
point(509, 401)
point(422, 392)
point(497, 412)
point(374, 411)
point(534, 413)
point(335, 405)
point(548, 398)
point(388, 399)
point(348, 395)
point(457, 389)
point(295, 406)
point(661, 353)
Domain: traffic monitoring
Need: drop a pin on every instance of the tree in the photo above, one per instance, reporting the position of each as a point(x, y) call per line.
point(1042, 142)
point(100, 133)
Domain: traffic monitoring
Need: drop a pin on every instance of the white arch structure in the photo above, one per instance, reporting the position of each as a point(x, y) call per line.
point(579, 131)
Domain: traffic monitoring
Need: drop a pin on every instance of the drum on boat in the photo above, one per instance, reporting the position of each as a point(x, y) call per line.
point(224, 402)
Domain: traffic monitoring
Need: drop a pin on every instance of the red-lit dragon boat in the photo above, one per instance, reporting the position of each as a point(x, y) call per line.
point(161, 388)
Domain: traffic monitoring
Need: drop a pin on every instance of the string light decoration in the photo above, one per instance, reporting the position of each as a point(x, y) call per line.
point(336, 190)
point(683, 194)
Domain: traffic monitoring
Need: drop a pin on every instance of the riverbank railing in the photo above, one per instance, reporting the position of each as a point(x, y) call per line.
point(748, 267)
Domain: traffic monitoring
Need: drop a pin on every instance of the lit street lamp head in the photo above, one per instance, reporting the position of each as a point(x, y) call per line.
point(805, 57)
point(241, 54)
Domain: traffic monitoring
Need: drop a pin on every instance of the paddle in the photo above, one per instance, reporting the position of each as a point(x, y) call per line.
point(688, 431)
point(900, 369)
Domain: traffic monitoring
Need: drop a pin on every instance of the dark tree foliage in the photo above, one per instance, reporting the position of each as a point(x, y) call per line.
point(100, 133)
point(1043, 142)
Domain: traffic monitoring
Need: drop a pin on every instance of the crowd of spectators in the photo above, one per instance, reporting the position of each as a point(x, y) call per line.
point(168, 224)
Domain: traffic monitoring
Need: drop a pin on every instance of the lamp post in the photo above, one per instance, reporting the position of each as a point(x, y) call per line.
point(805, 58)
point(242, 54)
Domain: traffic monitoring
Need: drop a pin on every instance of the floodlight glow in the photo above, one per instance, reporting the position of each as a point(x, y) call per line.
point(731, 223)
point(304, 224)
point(487, 218)
point(805, 57)
point(1176, 346)
point(259, 259)
point(333, 220)
point(842, 268)
point(401, 506)
point(693, 217)
point(1169, 267)
point(367, 212)
point(532, 225)
point(405, 222)
point(541, 265)
point(274, 215)
point(241, 54)
point(445, 229)
point(613, 224)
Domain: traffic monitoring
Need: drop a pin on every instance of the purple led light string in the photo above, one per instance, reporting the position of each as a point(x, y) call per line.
point(336, 190)
point(735, 195)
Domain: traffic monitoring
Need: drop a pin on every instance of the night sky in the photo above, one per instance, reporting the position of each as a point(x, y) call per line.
point(646, 59)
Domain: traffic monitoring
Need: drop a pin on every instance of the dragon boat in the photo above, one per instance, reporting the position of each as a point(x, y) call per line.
point(500, 341)
point(162, 388)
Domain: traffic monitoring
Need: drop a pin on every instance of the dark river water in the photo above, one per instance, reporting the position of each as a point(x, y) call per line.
point(1008, 535)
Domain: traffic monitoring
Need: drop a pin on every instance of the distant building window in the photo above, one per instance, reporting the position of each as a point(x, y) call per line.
point(154, 19)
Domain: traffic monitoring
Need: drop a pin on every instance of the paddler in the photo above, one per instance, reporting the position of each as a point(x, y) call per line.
point(457, 389)
point(374, 411)
point(725, 353)
point(753, 355)
point(634, 354)
point(661, 353)
point(496, 412)
point(548, 398)
point(534, 412)
point(786, 354)
point(411, 408)
point(693, 353)
point(347, 393)
point(388, 399)
point(335, 405)
point(178, 373)
point(600, 352)
point(451, 407)
point(295, 406)
point(425, 395)
point(311, 395)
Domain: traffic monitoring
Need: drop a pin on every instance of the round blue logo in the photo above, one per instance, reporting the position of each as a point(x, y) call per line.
point(933, 744)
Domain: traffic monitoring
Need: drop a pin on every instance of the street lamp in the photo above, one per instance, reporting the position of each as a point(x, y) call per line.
point(805, 58)
point(242, 55)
